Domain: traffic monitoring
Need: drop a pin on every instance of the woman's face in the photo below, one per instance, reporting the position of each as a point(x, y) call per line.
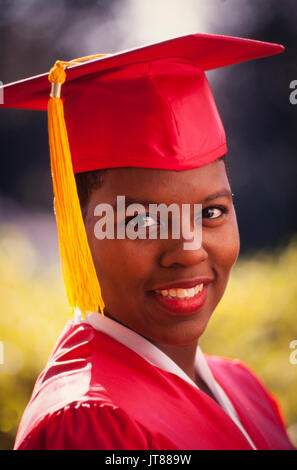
point(131, 271)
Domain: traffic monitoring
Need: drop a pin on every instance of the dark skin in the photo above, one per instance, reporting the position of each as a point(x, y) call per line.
point(129, 270)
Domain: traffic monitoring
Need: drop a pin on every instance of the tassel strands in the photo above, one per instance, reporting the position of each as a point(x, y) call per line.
point(80, 278)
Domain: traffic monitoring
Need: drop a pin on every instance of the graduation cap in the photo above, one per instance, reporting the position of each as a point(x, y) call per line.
point(149, 107)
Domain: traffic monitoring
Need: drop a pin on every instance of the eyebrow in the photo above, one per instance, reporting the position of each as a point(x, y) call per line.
point(130, 200)
point(222, 193)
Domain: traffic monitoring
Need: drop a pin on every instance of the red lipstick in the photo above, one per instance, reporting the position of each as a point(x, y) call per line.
point(185, 283)
point(183, 306)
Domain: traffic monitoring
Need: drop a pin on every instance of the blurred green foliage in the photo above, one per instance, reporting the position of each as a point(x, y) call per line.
point(255, 322)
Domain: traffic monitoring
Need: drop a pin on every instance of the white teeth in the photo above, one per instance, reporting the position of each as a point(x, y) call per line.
point(181, 293)
point(172, 292)
point(198, 288)
point(191, 292)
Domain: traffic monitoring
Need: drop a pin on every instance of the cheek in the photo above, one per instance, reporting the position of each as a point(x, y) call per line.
point(121, 263)
point(224, 246)
point(230, 246)
point(234, 238)
point(223, 251)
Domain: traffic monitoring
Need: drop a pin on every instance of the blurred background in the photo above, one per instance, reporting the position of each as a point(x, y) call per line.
point(256, 320)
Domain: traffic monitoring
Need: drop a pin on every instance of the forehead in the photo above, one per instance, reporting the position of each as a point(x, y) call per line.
point(164, 185)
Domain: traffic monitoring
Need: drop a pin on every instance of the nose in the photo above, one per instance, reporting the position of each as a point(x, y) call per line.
point(174, 254)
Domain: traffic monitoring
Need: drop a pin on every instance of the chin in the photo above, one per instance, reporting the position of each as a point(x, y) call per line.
point(189, 335)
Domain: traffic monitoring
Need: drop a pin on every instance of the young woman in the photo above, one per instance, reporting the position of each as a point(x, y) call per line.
point(143, 127)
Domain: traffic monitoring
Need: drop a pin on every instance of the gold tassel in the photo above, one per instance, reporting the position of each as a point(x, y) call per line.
point(81, 282)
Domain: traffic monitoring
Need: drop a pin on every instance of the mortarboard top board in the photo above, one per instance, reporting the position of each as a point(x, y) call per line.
point(149, 107)
point(207, 51)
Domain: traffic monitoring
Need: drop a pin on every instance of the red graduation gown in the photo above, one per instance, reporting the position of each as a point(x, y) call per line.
point(96, 393)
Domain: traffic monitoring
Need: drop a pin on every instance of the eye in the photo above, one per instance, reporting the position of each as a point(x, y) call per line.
point(213, 212)
point(142, 221)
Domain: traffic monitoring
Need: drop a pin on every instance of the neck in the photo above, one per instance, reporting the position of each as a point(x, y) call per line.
point(183, 355)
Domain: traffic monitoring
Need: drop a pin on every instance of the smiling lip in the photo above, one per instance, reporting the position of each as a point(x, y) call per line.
point(184, 284)
point(183, 306)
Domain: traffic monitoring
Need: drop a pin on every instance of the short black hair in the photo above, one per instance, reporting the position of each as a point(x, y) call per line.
point(88, 181)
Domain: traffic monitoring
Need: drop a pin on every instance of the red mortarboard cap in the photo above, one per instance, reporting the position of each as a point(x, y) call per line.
point(150, 107)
